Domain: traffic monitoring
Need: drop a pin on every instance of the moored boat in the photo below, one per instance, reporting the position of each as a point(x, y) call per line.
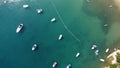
point(96, 52)
point(69, 66)
point(39, 11)
point(107, 50)
point(25, 6)
point(53, 19)
point(60, 37)
point(54, 64)
point(77, 55)
point(34, 47)
point(110, 6)
point(102, 60)
point(105, 25)
point(19, 28)
point(93, 47)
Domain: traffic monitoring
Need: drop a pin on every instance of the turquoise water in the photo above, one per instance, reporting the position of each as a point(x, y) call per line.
point(81, 33)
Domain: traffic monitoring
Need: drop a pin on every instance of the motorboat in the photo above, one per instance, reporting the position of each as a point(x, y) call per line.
point(93, 47)
point(25, 6)
point(39, 11)
point(102, 60)
point(96, 52)
point(19, 28)
point(34, 47)
point(69, 66)
point(53, 19)
point(107, 50)
point(54, 64)
point(77, 55)
point(60, 37)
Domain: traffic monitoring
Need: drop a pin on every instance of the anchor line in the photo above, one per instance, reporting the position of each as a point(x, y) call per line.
point(61, 19)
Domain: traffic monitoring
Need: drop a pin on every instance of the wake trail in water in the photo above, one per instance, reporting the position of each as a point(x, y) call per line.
point(65, 26)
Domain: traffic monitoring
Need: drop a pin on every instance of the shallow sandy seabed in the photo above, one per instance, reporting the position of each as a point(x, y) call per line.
point(117, 3)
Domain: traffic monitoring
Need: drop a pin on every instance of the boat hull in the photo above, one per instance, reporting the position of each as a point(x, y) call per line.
point(19, 28)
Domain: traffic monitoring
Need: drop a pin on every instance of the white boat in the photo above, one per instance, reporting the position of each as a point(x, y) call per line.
point(53, 19)
point(34, 47)
point(107, 50)
point(39, 11)
point(25, 6)
point(110, 6)
point(60, 37)
point(69, 66)
point(102, 60)
point(105, 25)
point(93, 47)
point(96, 52)
point(54, 64)
point(19, 28)
point(77, 55)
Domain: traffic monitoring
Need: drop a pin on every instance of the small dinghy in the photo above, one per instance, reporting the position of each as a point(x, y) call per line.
point(93, 47)
point(53, 19)
point(107, 50)
point(39, 11)
point(77, 55)
point(69, 66)
point(34, 47)
point(54, 64)
point(96, 52)
point(102, 60)
point(25, 6)
point(60, 37)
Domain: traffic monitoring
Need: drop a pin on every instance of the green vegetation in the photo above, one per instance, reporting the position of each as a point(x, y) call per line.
point(118, 57)
point(113, 66)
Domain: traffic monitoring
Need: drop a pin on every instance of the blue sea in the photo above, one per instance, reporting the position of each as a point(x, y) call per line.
point(80, 26)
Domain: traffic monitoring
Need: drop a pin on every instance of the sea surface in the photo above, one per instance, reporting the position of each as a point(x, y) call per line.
point(79, 27)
